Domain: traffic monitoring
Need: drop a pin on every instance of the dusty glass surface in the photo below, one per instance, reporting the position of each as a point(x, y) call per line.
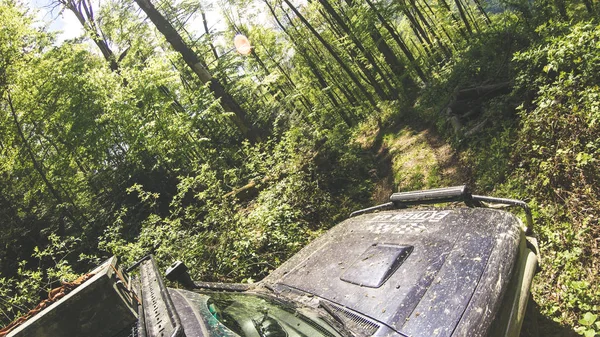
point(258, 316)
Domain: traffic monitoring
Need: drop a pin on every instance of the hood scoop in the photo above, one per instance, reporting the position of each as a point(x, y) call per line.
point(376, 265)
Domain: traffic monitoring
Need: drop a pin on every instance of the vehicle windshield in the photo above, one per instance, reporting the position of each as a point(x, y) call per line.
point(250, 315)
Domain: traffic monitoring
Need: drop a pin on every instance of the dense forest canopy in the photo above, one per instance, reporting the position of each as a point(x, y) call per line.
point(146, 136)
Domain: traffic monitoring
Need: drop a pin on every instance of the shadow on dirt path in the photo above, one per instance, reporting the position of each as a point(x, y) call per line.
point(410, 158)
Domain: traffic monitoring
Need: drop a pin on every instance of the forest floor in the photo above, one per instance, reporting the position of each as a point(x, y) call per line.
point(410, 158)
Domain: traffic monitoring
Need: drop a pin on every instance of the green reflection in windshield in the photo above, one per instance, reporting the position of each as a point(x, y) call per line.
point(257, 316)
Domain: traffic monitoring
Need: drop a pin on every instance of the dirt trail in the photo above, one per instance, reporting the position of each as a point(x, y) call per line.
point(409, 159)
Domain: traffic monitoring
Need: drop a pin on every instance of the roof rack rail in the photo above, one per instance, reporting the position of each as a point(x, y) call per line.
point(447, 194)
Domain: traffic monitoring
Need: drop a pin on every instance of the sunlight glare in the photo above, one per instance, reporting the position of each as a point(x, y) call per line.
point(242, 44)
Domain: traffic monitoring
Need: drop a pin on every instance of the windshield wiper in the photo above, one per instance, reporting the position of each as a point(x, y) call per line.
point(341, 320)
point(328, 314)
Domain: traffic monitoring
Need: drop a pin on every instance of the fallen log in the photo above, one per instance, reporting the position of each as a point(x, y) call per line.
point(248, 186)
point(454, 121)
point(465, 104)
point(476, 129)
point(483, 90)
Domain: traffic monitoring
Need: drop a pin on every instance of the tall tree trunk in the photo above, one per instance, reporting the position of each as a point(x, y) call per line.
point(205, 24)
point(461, 31)
point(463, 16)
point(470, 12)
point(483, 12)
point(84, 12)
point(334, 27)
point(395, 64)
point(424, 42)
point(441, 26)
point(261, 63)
point(431, 29)
point(417, 28)
point(398, 41)
point(279, 67)
point(312, 66)
point(333, 53)
point(338, 83)
point(293, 86)
point(366, 53)
point(191, 59)
point(82, 9)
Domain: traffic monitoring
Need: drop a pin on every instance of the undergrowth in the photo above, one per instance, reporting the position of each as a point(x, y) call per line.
point(240, 235)
point(540, 143)
point(557, 152)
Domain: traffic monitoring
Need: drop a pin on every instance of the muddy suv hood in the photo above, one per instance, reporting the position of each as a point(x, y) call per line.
point(419, 272)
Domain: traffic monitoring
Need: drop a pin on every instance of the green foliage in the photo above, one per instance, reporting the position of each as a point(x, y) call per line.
point(539, 143)
point(414, 162)
point(20, 294)
point(547, 155)
point(590, 326)
point(240, 235)
point(556, 155)
point(492, 165)
point(560, 125)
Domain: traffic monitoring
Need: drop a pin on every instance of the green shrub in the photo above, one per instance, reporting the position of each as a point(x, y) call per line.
point(239, 223)
point(53, 265)
point(557, 159)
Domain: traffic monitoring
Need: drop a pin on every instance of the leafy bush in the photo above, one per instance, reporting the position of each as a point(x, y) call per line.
point(590, 325)
point(238, 223)
point(546, 153)
point(557, 158)
point(22, 293)
point(560, 136)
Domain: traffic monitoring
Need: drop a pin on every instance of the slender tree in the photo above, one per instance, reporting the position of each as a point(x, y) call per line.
point(360, 46)
point(38, 166)
point(311, 65)
point(463, 16)
point(84, 12)
point(192, 60)
point(396, 37)
point(432, 30)
point(453, 17)
point(333, 53)
point(208, 34)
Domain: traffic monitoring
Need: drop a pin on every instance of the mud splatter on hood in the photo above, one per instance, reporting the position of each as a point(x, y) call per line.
point(416, 271)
